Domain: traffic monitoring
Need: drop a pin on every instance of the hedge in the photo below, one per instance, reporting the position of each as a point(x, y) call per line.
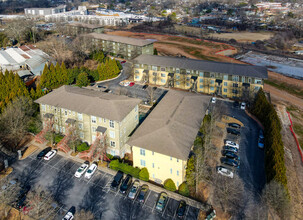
point(144, 174)
point(125, 168)
point(183, 189)
point(82, 147)
point(170, 185)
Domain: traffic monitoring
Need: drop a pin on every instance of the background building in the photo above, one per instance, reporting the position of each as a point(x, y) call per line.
point(125, 47)
point(90, 112)
point(224, 79)
point(45, 11)
point(82, 28)
point(163, 142)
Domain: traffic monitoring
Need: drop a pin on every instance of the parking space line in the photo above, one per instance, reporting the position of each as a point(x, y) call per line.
point(146, 198)
point(166, 206)
point(187, 211)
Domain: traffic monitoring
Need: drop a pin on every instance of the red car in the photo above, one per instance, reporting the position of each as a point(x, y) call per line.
point(123, 61)
point(131, 84)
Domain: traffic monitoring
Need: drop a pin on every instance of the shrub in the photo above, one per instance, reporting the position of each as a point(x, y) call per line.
point(183, 189)
point(144, 174)
point(125, 168)
point(58, 138)
point(82, 147)
point(170, 185)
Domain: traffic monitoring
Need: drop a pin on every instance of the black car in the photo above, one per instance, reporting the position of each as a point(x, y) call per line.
point(143, 192)
point(155, 87)
point(144, 87)
point(43, 153)
point(233, 131)
point(117, 179)
point(230, 154)
point(231, 149)
point(126, 184)
point(234, 125)
point(20, 203)
point(229, 162)
point(100, 86)
point(181, 209)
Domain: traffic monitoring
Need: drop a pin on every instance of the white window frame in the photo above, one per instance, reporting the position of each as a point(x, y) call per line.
point(111, 124)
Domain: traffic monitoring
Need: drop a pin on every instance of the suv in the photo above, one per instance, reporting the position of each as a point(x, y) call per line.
point(233, 131)
point(117, 179)
point(231, 155)
point(231, 149)
point(161, 201)
point(126, 184)
point(230, 162)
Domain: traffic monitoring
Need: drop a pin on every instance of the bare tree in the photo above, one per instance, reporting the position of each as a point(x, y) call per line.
point(150, 92)
point(9, 190)
point(40, 203)
point(87, 215)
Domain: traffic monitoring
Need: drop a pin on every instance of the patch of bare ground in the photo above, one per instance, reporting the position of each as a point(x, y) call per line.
point(293, 161)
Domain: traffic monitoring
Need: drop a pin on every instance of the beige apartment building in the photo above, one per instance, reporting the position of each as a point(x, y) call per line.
point(224, 79)
point(76, 28)
point(125, 47)
point(162, 143)
point(90, 112)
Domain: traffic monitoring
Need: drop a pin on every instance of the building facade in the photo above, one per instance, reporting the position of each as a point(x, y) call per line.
point(124, 47)
point(82, 28)
point(223, 79)
point(90, 112)
point(45, 11)
point(163, 142)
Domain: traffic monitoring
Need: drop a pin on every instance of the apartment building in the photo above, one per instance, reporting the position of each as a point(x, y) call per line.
point(162, 143)
point(91, 112)
point(119, 46)
point(224, 79)
point(76, 28)
point(45, 11)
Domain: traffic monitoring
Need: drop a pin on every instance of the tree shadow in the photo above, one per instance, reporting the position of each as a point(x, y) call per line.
point(29, 174)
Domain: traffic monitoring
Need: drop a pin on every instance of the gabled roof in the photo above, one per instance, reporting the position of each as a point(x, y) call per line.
point(120, 39)
point(203, 65)
point(91, 102)
point(171, 128)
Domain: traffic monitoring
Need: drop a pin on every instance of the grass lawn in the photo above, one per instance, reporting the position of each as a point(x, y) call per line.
point(286, 87)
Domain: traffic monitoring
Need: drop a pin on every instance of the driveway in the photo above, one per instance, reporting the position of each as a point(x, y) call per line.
point(57, 175)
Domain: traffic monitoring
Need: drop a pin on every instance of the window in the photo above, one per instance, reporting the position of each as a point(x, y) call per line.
point(69, 112)
point(171, 158)
point(74, 113)
point(155, 74)
point(177, 83)
point(93, 129)
point(81, 135)
point(201, 74)
point(201, 80)
point(94, 119)
point(163, 80)
point(249, 80)
point(235, 78)
point(162, 68)
point(153, 153)
point(142, 152)
point(235, 85)
point(235, 91)
point(104, 120)
point(80, 117)
point(188, 78)
point(111, 124)
point(154, 68)
point(212, 81)
point(212, 88)
point(177, 70)
point(177, 184)
point(137, 65)
point(63, 129)
point(258, 81)
point(243, 79)
point(187, 84)
point(177, 77)
point(225, 77)
point(187, 71)
point(177, 172)
point(136, 108)
point(177, 160)
point(43, 107)
point(225, 83)
point(136, 71)
point(65, 112)
point(55, 110)
point(171, 171)
point(163, 75)
point(224, 90)
point(153, 164)
point(212, 75)
point(142, 162)
point(80, 126)
point(137, 77)
point(112, 144)
point(201, 86)
point(153, 175)
point(111, 134)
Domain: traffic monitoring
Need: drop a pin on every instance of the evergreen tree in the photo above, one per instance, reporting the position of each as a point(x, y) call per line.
point(82, 80)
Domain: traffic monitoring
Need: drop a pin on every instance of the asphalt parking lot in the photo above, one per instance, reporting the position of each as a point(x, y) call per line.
point(57, 176)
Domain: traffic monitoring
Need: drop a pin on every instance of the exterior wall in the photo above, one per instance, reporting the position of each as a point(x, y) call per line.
point(77, 30)
point(160, 166)
point(86, 126)
point(206, 82)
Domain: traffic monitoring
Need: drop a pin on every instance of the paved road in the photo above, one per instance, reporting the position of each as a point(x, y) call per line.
point(57, 175)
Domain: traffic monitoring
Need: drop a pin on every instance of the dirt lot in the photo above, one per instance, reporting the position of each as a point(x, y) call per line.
point(191, 48)
point(244, 36)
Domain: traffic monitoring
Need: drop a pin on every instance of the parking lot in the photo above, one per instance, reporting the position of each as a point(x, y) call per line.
point(57, 176)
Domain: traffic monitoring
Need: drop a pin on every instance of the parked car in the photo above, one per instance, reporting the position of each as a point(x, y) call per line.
point(233, 131)
point(126, 183)
point(82, 169)
point(91, 170)
point(134, 189)
point(143, 193)
point(229, 148)
point(108, 91)
point(20, 203)
point(181, 209)
point(261, 143)
point(126, 84)
point(132, 84)
point(213, 100)
point(261, 134)
point(161, 201)
point(155, 87)
point(144, 87)
point(234, 125)
point(43, 153)
point(236, 104)
point(243, 105)
point(50, 154)
point(229, 162)
point(70, 214)
point(232, 144)
point(123, 61)
point(117, 179)
point(225, 172)
point(101, 87)
point(231, 155)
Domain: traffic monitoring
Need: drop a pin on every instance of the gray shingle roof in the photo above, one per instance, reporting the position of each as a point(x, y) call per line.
point(172, 126)
point(90, 102)
point(120, 39)
point(203, 65)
